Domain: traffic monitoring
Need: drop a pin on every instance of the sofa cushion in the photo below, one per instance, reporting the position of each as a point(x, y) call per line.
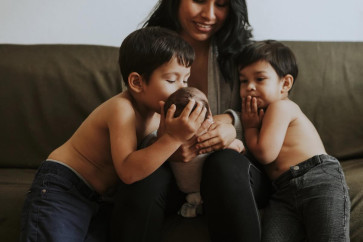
point(329, 90)
point(46, 92)
point(353, 171)
point(14, 184)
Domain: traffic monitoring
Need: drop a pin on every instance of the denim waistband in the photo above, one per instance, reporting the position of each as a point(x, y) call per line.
point(63, 171)
point(301, 168)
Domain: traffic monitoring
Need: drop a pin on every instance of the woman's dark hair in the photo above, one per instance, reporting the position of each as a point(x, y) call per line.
point(146, 49)
point(280, 57)
point(235, 33)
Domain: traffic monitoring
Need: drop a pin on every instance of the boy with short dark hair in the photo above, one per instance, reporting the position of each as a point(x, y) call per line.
point(64, 197)
point(311, 200)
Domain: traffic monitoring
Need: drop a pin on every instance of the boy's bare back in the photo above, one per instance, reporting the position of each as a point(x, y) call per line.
point(300, 140)
point(89, 150)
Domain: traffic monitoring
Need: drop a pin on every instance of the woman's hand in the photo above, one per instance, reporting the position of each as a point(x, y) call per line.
point(188, 150)
point(219, 136)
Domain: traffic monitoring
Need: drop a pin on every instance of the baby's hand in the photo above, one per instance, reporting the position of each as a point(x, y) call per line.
point(250, 115)
point(237, 145)
point(187, 124)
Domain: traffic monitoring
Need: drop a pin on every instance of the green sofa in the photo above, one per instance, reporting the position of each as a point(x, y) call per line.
point(47, 90)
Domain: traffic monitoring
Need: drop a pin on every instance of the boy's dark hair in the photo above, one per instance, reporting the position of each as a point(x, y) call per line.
point(280, 57)
point(181, 98)
point(146, 49)
point(236, 31)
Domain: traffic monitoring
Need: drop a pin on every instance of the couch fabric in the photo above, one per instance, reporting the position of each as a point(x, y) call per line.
point(46, 91)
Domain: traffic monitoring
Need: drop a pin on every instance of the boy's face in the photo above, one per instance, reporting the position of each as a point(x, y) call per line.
point(260, 80)
point(163, 81)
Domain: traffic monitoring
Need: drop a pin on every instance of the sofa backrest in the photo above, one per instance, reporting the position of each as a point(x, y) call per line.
point(329, 89)
point(46, 91)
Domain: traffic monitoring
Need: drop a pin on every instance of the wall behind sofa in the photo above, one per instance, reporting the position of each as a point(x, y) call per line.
point(108, 22)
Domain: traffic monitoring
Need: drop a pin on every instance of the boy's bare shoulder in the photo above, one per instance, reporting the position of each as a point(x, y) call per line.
point(120, 103)
point(285, 104)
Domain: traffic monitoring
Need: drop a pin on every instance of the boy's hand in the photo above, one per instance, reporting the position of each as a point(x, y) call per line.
point(251, 116)
point(186, 152)
point(187, 124)
point(161, 129)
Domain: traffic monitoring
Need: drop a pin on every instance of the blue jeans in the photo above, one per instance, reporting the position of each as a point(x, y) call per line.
point(61, 207)
point(311, 203)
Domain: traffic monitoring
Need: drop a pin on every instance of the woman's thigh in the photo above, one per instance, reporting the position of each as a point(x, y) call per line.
point(232, 189)
point(140, 208)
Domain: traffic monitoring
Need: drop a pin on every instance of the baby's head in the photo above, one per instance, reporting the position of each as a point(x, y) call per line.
point(279, 56)
point(146, 49)
point(181, 98)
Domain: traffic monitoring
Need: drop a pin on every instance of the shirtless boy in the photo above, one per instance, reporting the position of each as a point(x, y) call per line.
point(311, 201)
point(63, 198)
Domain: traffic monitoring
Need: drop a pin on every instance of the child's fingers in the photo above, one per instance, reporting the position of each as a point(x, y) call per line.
point(171, 111)
point(196, 112)
point(248, 104)
point(254, 105)
point(201, 116)
point(188, 109)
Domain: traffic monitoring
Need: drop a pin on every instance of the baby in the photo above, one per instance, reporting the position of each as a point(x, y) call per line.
point(188, 174)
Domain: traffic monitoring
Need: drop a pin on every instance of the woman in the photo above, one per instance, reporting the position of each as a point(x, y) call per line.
point(231, 184)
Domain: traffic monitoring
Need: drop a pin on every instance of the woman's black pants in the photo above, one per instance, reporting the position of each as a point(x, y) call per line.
point(233, 188)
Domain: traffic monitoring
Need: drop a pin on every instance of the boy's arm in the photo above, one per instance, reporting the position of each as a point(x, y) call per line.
point(265, 132)
point(132, 165)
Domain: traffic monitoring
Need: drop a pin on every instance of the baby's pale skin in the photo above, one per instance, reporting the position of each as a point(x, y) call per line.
point(280, 137)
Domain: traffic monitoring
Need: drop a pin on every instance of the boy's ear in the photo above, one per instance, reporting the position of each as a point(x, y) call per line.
point(288, 81)
point(135, 81)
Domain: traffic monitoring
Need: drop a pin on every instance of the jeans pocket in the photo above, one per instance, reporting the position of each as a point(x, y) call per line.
point(332, 169)
point(55, 183)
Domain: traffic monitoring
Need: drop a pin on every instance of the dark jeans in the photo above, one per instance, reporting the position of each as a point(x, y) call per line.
point(311, 203)
point(232, 188)
point(60, 207)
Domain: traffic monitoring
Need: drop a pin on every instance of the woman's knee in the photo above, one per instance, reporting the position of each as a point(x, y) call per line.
point(151, 188)
point(226, 162)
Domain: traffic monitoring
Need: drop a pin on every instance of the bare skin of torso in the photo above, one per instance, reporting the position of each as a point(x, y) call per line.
point(88, 151)
point(300, 143)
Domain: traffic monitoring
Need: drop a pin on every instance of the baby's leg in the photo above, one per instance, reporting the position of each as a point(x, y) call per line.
point(193, 206)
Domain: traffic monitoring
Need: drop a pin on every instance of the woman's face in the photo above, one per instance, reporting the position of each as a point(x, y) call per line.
point(201, 19)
